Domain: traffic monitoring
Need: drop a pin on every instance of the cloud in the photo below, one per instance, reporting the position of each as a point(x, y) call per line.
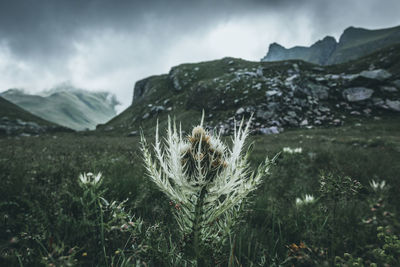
point(108, 45)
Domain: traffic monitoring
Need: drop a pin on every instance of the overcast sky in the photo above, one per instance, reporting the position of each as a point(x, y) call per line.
point(110, 44)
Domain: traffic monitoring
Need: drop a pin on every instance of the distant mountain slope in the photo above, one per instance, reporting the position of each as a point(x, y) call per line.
point(15, 120)
point(281, 95)
point(353, 43)
point(71, 107)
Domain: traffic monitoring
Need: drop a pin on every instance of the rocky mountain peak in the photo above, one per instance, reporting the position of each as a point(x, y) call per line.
point(353, 43)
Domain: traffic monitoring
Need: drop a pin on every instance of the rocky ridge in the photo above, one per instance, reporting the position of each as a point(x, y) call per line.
point(280, 95)
point(353, 43)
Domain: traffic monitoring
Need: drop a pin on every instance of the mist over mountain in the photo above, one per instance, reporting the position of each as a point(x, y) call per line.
point(66, 105)
point(353, 43)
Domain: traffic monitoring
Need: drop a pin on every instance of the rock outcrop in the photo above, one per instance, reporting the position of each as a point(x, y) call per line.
point(318, 53)
point(353, 43)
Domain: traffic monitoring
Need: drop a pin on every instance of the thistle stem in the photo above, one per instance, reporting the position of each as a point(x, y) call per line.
point(102, 233)
point(197, 228)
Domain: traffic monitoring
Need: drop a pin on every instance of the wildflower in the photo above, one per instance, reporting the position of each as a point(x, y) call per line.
point(90, 179)
point(289, 150)
point(298, 150)
point(207, 179)
point(376, 185)
point(84, 254)
point(308, 199)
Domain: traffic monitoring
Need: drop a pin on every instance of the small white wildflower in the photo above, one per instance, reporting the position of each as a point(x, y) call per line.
point(376, 185)
point(289, 150)
point(308, 199)
point(298, 150)
point(89, 178)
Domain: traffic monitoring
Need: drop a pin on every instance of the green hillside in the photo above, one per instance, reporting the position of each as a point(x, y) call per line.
point(74, 108)
point(15, 120)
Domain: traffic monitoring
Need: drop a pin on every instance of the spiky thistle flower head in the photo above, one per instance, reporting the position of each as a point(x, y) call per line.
point(206, 178)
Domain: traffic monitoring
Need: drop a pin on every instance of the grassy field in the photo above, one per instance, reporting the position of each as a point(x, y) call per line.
point(47, 219)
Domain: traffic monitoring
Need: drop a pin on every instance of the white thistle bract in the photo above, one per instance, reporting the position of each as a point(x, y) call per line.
point(205, 179)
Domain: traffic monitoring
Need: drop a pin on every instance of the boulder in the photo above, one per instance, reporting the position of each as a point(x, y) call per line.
point(356, 94)
point(318, 91)
point(390, 89)
point(260, 71)
point(264, 115)
point(273, 92)
point(292, 114)
point(257, 86)
point(145, 116)
point(379, 74)
point(157, 109)
point(304, 122)
point(239, 111)
point(397, 83)
point(269, 130)
point(292, 78)
point(393, 105)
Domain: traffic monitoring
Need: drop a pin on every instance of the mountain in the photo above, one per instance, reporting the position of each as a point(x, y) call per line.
point(17, 121)
point(353, 43)
point(318, 53)
point(68, 106)
point(281, 95)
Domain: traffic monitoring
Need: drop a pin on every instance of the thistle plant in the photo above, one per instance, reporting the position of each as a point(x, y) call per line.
point(205, 179)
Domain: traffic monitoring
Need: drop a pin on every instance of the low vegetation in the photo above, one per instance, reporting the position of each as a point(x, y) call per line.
point(330, 199)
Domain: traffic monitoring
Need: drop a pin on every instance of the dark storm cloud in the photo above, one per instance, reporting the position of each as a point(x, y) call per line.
point(110, 44)
point(46, 28)
point(49, 27)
